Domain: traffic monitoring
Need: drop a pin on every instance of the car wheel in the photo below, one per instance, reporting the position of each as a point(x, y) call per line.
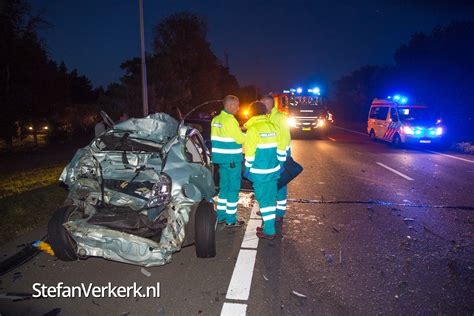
point(205, 230)
point(61, 242)
point(396, 141)
point(372, 135)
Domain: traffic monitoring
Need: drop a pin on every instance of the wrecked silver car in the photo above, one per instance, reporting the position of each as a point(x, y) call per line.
point(138, 193)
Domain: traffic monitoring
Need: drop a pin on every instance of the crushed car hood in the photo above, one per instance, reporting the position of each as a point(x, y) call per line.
point(158, 127)
point(107, 158)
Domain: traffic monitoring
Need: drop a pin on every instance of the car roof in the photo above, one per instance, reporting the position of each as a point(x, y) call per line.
point(383, 102)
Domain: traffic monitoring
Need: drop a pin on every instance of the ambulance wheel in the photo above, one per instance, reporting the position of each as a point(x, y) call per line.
point(396, 141)
point(372, 135)
point(205, 230)
point(61, 242)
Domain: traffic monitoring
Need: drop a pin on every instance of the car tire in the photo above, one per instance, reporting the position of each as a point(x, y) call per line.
point(205, 230)
point(61, 242)
point(396, 141)
point(372, 135)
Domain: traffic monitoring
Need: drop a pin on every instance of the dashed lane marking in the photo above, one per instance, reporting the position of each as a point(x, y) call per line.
point(241, 281)
point(234, 309)
point(250, 238)
point(331, 139)
point(395, 171)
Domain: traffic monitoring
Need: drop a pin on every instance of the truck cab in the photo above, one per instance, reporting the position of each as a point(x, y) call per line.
point(305, 110)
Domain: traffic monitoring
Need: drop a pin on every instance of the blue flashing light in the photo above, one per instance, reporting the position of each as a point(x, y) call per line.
point(389, 97)
point(419, 131)
point(286, 91)
point(299, 90)
point(396, 97)
point(404, 100)
point(316, 90)
point(292, 90)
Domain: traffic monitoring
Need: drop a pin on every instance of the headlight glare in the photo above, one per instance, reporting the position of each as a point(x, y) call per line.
point(291, 122)
point(408, 130)
point(320, 122)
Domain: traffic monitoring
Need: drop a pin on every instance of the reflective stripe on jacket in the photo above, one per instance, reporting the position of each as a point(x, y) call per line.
point(227, 139)
point(264, 150)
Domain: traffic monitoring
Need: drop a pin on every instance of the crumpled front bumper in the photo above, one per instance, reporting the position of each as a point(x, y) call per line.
point(98, 241)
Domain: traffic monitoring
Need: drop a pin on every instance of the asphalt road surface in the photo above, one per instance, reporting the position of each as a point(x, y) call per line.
point(370, 229)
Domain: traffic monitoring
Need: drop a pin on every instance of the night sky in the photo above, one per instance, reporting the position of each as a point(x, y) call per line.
point(274, 44)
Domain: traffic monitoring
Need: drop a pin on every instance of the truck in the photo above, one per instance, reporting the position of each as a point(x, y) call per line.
point(305, 109)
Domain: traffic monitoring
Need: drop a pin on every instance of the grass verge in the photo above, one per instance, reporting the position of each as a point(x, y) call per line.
point(25, 211)
point(26, 180)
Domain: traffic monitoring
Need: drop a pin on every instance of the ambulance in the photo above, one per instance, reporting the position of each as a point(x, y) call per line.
point(395, 121)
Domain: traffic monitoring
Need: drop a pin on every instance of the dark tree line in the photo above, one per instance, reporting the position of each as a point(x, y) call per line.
point(33, 88)
point(435, 69)
point(182, 71)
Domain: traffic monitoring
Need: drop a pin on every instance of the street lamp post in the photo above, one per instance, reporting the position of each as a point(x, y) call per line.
point(142, 41)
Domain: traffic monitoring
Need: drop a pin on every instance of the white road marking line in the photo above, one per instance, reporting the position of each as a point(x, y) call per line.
point(241, 280)
point(395, 171)
point(250, 237)
point(234, 309)
point(350, 130)
point(450, 156)
point(332, 139)
point(239, 287)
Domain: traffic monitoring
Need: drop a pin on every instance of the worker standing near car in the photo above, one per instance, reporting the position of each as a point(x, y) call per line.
point(262, 165)
point(227, 139)
point(279, 119)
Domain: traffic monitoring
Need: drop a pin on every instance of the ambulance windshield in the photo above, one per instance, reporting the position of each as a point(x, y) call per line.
point(416, 114)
